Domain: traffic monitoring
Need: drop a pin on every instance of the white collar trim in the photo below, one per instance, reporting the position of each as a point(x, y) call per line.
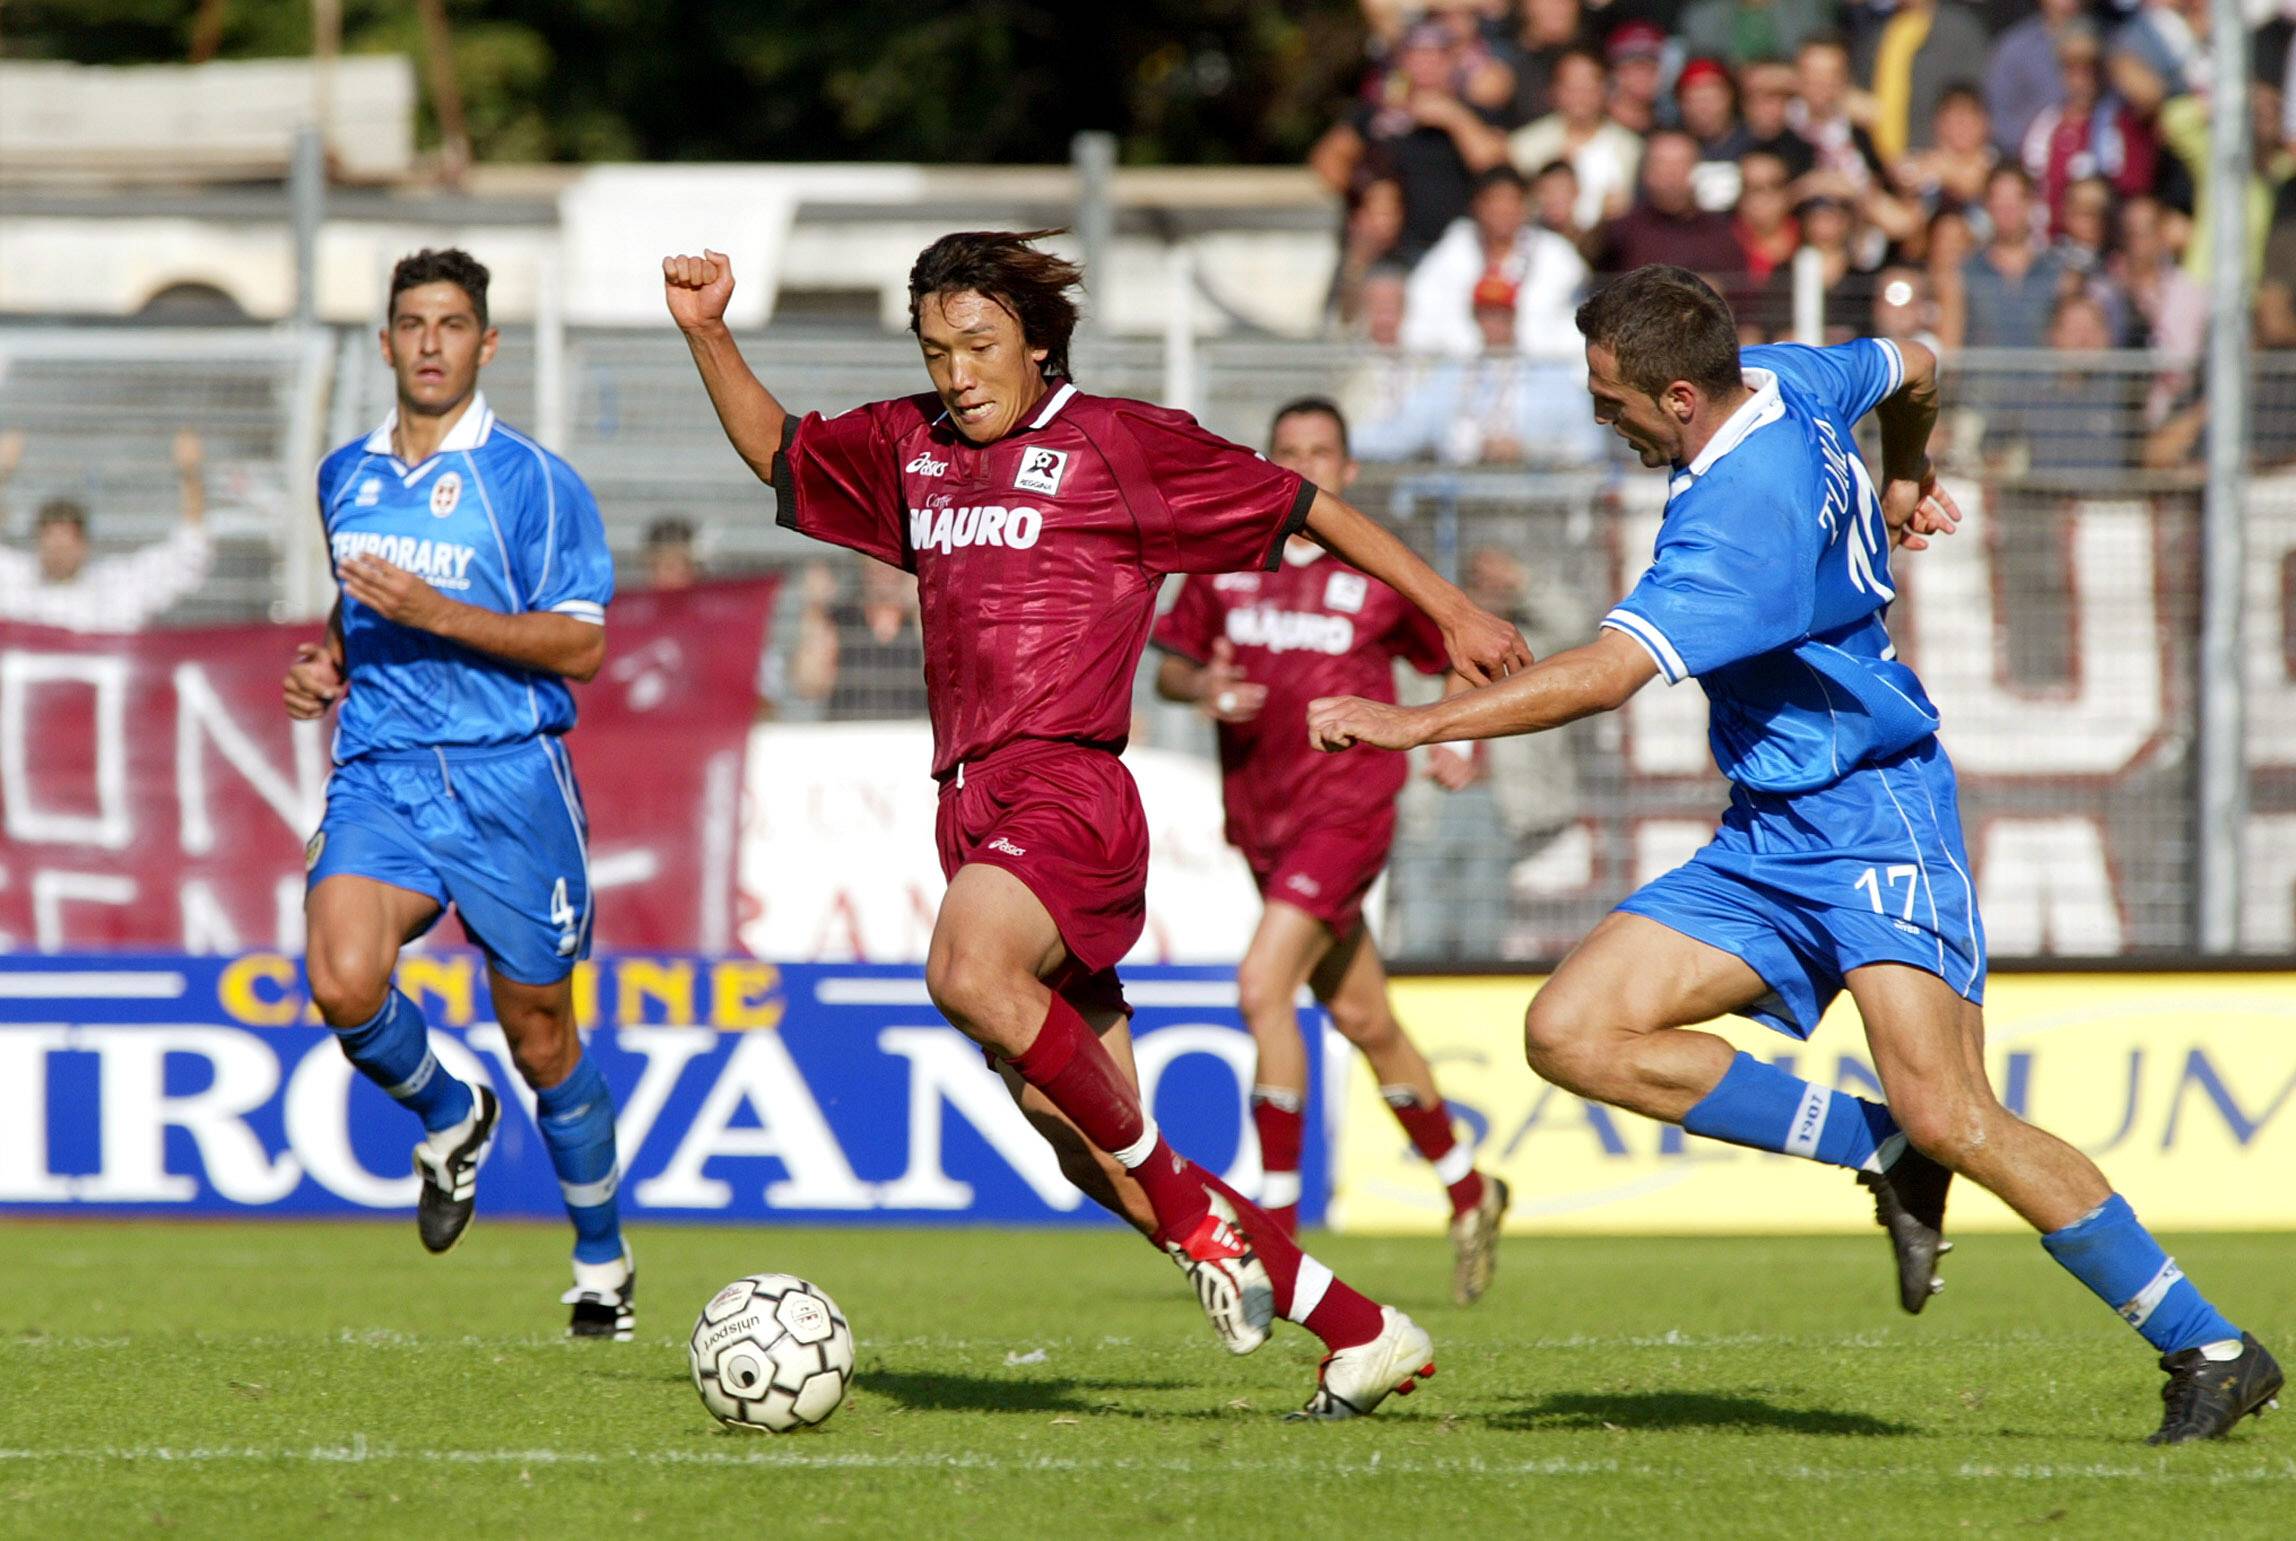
point(473, 428)
point(1760, 410)
point(1053, 406)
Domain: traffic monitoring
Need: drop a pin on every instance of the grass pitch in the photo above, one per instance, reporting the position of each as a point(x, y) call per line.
point(301, 1379)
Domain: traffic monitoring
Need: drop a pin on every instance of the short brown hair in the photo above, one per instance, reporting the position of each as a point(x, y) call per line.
point(1312, 406)
point(1001, 265)
point(69, 511)
point(1664, 324)
point(450, 266)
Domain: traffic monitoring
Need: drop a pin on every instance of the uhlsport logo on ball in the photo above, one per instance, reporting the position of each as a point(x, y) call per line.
point(772, 1353)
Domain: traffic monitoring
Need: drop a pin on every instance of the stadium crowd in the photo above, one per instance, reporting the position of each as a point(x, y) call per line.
point(2014, 174)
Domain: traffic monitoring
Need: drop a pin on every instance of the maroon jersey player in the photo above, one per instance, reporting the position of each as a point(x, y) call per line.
point(1252, 649)
point(1040, 522)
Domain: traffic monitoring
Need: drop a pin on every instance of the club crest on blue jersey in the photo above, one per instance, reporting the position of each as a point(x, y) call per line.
point(445, 493)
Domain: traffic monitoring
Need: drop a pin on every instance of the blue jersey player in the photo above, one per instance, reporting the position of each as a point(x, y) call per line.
point(475, 577)
point(1839, 864)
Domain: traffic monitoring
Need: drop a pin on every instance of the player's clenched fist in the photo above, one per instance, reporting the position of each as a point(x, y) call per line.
point(1341, 722)
point(698, 288)
point(314, 681)
point(1483, 648)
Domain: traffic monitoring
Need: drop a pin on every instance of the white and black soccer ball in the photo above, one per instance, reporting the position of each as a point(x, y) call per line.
point(771, 1352)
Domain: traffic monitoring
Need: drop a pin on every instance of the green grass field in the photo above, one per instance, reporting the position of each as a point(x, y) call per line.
point(293, 1379)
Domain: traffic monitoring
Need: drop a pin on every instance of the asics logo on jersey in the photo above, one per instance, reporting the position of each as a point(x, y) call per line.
point(1290, 631)
point(443, 563)
point(993, 524)
point(926, 465)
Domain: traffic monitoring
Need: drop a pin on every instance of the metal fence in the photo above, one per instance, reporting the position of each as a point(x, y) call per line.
point(2059, 632)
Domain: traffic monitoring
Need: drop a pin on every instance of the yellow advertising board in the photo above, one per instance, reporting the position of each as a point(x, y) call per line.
point(2182, 1087)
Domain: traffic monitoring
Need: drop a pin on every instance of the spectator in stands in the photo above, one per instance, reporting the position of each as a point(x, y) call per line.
point(1666, 224)
point(1848, 168)
point(2276, 291)
point(2085, 239)
point(1548, 30)
point(862, 659)
point(2184, 133)
point(1482, 76)
point(56, 584)
point(670, 556)
point(1374, 230)
point(1709, 114)
point(1638, 101)
point(1742, 31)
point(1420, 132)
point(2025, 76)
point(1765, 96)
point(1952, 172)
point(1496, 243)
point(2068, 420)
point(1904, 309)
point(2089, 133)
point(2167, 310)
point(1925, 47)
point(1580, 131)
point(1949, 243)
point(2013, 283)
point(1554, 201)
point(1386, 392)
point(1768, 235)
point(2162, 53)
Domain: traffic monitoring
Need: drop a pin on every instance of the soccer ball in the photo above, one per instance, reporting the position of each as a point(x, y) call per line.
point(771, 1352)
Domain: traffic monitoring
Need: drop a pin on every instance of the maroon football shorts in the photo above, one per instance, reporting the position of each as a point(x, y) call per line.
point(1327, 869)
point(1066, 820)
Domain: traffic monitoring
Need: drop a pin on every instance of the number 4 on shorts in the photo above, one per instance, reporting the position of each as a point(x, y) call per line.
point(562, 912)
point(1869, 882)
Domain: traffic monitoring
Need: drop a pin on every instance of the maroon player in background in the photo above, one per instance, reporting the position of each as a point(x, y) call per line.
point(1251, 650)
point(1040, 523)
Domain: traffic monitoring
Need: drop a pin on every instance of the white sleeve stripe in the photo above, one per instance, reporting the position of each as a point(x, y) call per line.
point(1653, 642)
point(1896, 365)
point(581, 610)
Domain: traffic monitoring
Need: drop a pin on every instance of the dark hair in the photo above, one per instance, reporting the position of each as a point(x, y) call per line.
point(1664, 324)
point(69, 511)
point(1302, 406)
point(1494, 176)
point(670, 530)
point(1962, 90)
point(1031, 285)
point(1577, 51)
point(451, 266)
point(1555, 165)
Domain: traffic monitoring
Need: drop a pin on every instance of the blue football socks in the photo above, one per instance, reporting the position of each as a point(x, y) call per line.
point(577, 1120)
point(2117, 1258)
point(1756, 1104)
point(392, 1049)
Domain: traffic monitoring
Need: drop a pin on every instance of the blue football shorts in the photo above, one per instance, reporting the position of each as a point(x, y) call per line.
point(1806, 886)
point(498, 833)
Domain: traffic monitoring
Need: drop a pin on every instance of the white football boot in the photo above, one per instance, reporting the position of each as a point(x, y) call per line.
point(1352, 1382)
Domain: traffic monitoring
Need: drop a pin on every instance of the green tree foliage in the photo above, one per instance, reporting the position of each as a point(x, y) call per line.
point(983, 81)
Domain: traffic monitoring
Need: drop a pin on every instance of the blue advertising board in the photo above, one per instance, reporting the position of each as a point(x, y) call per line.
point(745, 1091)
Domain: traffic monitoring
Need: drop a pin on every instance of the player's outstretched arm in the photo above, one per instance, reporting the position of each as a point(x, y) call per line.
point(1482, 646)
point(1912, 504)
point(538, 639)
point(1218, 689)
point(1579, 682)
point(697, 290)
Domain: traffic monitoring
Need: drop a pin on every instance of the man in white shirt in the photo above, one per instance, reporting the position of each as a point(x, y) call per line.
point(1497, 238)
point(55, 584)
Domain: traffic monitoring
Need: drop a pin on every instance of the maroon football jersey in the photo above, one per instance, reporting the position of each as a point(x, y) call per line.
point(1304, 629)
point(1038, 558)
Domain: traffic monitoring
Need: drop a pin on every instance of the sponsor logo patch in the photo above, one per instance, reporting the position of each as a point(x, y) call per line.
point(1290, 631)
point(948, 529)
point(445, 493)
point(926, 465)
point(370, 492)
point(1041, 470)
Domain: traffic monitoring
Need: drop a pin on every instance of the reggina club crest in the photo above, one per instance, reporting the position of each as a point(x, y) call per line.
point(445, 493)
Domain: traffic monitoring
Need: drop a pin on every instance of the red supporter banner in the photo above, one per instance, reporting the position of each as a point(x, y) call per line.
point(153, 792)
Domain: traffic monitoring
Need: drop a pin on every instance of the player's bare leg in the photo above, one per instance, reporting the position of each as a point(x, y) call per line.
point(575, 1113)
point(356, 926)
point(1613, 1024)
point(1929, 1047)
point(990, 929)
point(1285, 948)
point(1351, 982)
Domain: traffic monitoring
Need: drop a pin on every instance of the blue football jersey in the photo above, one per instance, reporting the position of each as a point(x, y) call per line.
point(1771, 579)
point(491, 519)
